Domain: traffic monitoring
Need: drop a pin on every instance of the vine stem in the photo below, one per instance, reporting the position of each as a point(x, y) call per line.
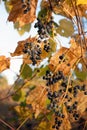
point(70, 77)
point(22, 123)
point(85, 125)
point(51, 8)
point(79, 24)
point(5, 123)
point(67, 12)
point(23, 86)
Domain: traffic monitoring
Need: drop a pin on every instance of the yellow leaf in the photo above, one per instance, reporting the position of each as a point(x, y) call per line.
point(19, 49)
point(37, 97)
point(17, 12)
point(4, 63)
point(69, 57)
point(81, 2)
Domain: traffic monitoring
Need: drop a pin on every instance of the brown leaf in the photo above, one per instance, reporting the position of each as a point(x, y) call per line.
point(17, 15)
point(37, 97)
point(66, 120)
point(70, 57)
point(65, 8)
point(68, 7)
point(19, 49)
point(4, 63)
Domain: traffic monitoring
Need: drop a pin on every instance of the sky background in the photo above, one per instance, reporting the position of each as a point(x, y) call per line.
point(8, 42)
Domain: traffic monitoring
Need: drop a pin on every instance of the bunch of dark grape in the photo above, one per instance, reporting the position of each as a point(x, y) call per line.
point(44, 31)
point(53, 78)
point(44, 28)
point(47, 46)
point(62, 94)
point(34, 52)
point(26, 6)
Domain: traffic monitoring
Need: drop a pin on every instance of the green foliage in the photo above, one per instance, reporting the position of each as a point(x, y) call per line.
point(65, 28)
point(32, 88)
point(26, 71)
point(53, 45)
point(81, 75)
point(43, 70)
point(49, 116)
point(47, 101)
point(19, 96)
point(23, 29)
point(42, 14)
point(23, 104)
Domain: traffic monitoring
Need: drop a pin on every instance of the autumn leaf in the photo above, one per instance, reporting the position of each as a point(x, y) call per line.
point(37, 97)
point(26, 57)
point(19, 49)
point(26, 71)
point(81, 2)
point(69, 12)
point(17, 14)
point(69, 57)
point(4, 63)
point(65, 9)
point(66, 120)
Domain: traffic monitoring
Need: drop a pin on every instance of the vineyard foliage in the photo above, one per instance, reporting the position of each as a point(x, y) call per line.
point(50, 93)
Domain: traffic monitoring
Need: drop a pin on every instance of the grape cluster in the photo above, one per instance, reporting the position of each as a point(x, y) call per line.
point(75, 90)
point(26, 6)
point(34, 51)
point(63, 93)
point(47, 47)
point(53, 78)
point(44, 28)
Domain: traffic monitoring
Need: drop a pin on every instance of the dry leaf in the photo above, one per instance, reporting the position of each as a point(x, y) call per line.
point(66, 121)
point(17, 15)
point(81, 2)
point(37, 97)
point(68, 9)
point(70, 57)
point(19, 49)
point(4, 63)
point(65, 8)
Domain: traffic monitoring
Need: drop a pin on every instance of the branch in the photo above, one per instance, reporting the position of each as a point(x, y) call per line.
point(5, 123)
point(51, 8)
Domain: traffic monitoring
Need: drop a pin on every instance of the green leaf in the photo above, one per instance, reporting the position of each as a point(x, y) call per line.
point(22, 98)
point(19, 96)
point(81, 75)
point(47, 101)
point(53, 44)
point(49, 116)
point(65, 28)
point(22, 30)
point(42, 14)
point(26, 71)
point(32, 88)
point(23, 104)
point(81, 2)
point(43, 71)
